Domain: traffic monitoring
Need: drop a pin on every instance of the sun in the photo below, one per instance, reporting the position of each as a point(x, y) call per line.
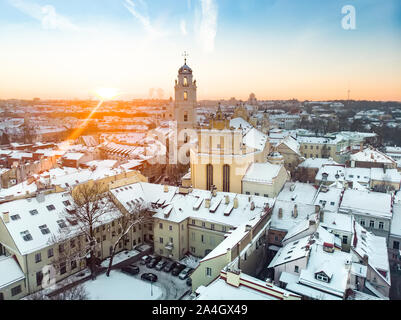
point(107, 93)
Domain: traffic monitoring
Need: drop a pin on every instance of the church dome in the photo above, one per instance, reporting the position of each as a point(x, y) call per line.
point(185, 69)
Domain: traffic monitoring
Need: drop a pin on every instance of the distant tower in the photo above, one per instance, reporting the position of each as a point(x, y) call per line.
point(185, 98)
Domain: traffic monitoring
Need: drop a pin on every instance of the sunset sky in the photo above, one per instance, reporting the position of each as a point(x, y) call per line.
point(278, 49)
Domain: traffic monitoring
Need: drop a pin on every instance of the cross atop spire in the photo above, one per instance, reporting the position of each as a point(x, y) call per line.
point(185, 55)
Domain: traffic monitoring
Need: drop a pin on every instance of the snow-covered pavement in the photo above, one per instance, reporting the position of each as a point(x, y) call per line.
point(121, 286)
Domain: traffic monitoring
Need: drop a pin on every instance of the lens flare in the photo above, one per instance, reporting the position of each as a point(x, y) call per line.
point(107, 93)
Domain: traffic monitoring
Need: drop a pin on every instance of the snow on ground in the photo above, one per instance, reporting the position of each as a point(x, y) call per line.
point(121, 286)
point(120, 257)
point(191, 261)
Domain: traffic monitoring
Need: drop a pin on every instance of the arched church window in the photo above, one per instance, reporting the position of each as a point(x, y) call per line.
point(209, 176)
point(186, 116)
point(226, 178)
point(185, 95)
point(185, 82)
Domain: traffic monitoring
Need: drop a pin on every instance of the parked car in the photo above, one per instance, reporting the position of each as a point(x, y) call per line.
point(189, 282)
point(169, 266)
point(177, 269)
point(149, 276)
point(185, 273)
point(145, 259)
point(160, 265)
point(131, 269)
point(152, 263)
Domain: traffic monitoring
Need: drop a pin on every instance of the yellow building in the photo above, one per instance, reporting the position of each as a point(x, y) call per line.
point(224, 153)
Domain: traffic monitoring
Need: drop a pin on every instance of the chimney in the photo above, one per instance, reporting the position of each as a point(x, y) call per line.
point(317, 208)
point(227, 197)
point(280, 213)
point(252, 206)
point(166, 188)
point(6, 217)
point(235, 203)
point(321, 218)
point(207, 203)
point(214, 192)
point(40, 197)
point(248, 228)
point(295, 213)
point(365, 260)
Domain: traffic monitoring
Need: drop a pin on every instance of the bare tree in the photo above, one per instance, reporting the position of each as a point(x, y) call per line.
point(138, 214)
point(91, 207)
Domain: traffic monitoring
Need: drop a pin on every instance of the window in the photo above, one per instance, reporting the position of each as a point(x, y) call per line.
point(50, 253)
point(212, 226)
point(26, 235)
point(170, 228)
point(247, 193)
point(186, 119)
point(61, 248)
point(193, 236)
point(67, 203)
point(185, 95)
point(61, 224)
point(38, 257)
point(362, 223)
point(224, 228)
point(209, 176)
point(203, 238)
point(104, 237)
point(193, 249)
point(160, 225)
point(226, 178)
point(161, 240)
point(63, 268)
point(171, 240)
point(322, 277)
point(203, 224)
point(39, 278)
point(345, 239)
point(185, 82)
point(44, 229)
point(266, 195)
point(15, 217)
point(73, 264)
point(381, 225)
point(371, 224)
point(193, 222)
point(396, 245)
point(296, 269)
point(51, 207)
point(33, 212)
point(209, 272)
point(16, 290)
point(256, 194)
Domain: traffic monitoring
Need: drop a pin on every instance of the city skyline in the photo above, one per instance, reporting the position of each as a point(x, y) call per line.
point(276, 49)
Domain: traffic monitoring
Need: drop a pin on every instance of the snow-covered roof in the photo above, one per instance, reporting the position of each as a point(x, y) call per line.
point(316, 163)
point(366, 203)
point(366, 243)
point(292, 251)
point(337, 221)
point(291, 143)
point(329, 198)
point(371, 155)
point(10, 271)
point(262, 172)
point(287, 221)
point(252, 138)
point(298, 193)
point(73, 156)
point(220, 290)
point(32, 213)
point(179, 207)
point(388, 175)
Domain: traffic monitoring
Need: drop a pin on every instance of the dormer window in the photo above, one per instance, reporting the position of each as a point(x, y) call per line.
point(322, 277)
point(44, 229)
point(26, 235)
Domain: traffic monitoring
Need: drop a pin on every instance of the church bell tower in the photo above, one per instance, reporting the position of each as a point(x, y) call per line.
point(185, 98)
